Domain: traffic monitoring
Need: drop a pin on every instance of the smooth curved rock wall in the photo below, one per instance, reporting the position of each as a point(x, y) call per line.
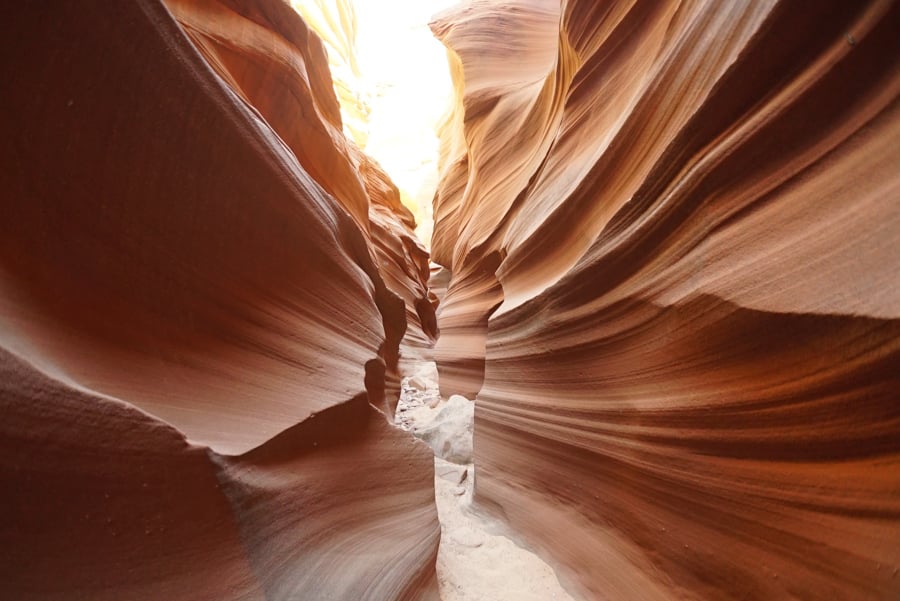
point(197, 321)
point(686, 215)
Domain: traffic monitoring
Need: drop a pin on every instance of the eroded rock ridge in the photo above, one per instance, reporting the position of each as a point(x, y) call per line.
point(669, 232)
point(205, 290)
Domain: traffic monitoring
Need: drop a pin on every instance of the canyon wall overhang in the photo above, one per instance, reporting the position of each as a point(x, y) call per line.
point(204, 288)
point(671, 230)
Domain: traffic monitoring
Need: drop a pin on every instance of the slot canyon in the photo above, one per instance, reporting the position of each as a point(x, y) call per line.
point(634, 334)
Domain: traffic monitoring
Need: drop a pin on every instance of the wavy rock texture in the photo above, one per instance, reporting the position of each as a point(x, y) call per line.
point(286, 78)
point(197, 290)
point(672, 232)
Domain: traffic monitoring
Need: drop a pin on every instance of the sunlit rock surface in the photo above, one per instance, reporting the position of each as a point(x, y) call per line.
point(285, 77)
point(390, 77)
point(202, 289)
point(672, 230)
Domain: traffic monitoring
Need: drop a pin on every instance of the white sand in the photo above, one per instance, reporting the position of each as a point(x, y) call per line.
point(473, 564)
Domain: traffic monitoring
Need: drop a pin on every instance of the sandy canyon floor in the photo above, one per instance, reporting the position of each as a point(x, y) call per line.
point(476, 561)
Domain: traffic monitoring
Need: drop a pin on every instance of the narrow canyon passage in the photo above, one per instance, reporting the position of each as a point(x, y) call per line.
point(622, 322)
point(476, 560)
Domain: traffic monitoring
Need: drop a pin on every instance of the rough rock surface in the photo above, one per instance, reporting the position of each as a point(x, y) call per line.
point(202, 289)
point(672, 229)
point(417, 405)
point(449, 433)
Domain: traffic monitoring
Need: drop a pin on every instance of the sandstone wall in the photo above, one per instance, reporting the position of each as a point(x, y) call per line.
point(672, 229)
point(202, 289)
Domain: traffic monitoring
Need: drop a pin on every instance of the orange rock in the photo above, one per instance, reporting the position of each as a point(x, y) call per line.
point(196, 317)
point(672, 233)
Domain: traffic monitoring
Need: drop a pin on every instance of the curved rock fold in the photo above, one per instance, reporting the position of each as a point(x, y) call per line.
point(685, 365)
point(204, 289)
point(665, 254)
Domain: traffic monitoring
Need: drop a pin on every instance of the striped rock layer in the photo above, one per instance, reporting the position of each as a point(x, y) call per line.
point(205, 290)
point(669, 236)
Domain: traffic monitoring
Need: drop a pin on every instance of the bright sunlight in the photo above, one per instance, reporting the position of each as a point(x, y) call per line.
point(392, 80)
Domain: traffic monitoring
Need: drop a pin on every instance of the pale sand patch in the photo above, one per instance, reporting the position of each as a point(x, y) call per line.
point(474, 564)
